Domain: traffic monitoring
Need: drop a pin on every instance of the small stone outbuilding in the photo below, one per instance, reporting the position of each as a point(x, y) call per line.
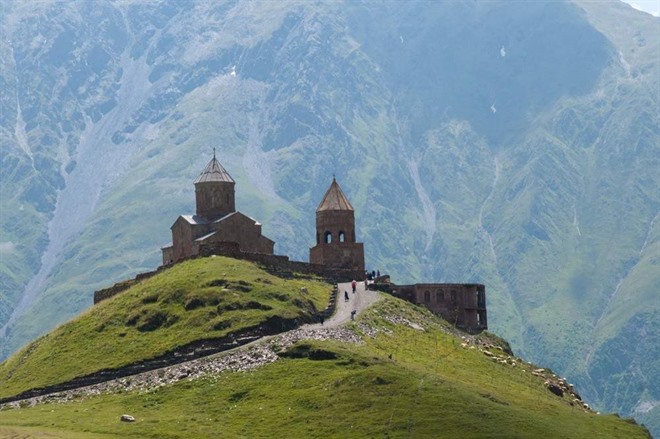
point(216, 220)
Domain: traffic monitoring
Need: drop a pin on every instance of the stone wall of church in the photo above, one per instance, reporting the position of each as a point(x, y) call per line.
point(346, 255)
point(241, 229)
point(214, 200)
point(281, 265)
point(182, 239)
point(335, 226)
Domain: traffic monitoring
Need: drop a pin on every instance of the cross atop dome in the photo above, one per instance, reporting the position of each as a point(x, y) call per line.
point(214, 172)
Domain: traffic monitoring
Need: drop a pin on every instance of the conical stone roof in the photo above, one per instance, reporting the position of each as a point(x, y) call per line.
point(334, 199)
point(214, 172)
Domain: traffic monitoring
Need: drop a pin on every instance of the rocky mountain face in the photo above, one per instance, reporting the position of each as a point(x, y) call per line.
point(510, 144)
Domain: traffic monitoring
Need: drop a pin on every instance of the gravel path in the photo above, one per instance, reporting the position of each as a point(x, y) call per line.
point(358, 302)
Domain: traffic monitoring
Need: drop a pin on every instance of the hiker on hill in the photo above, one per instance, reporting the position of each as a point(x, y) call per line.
point(345, 296)
point(354, 285)
point(353, 314)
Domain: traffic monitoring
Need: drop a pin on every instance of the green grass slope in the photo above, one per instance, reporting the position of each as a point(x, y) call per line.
point(412, 376)
point(195, 300)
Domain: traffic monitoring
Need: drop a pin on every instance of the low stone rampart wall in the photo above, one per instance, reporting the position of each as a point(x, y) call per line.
point(281, 265)
point(117, 288)
point(277, 265)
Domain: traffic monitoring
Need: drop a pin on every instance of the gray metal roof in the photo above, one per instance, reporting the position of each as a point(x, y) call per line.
point(194, 219)
point(202, 238)
point(236, 213)
point(214, 172)
point(224, 217)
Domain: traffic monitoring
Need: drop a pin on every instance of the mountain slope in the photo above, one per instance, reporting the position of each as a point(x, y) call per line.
point(513, 145)
point(396, 371)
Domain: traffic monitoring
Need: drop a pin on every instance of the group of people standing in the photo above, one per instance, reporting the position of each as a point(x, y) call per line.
point(372, 275)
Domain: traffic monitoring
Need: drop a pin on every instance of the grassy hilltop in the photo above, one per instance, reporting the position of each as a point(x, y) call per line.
point(195, 300)
point(411, 375)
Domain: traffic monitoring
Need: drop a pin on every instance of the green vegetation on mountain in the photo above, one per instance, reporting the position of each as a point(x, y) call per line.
point(194, 300)
point(413, 376)
point(507, 143)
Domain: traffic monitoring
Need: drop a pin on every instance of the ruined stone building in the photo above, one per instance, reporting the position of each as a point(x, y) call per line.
point(463, 305)
point(216, 220)
point(335, 233)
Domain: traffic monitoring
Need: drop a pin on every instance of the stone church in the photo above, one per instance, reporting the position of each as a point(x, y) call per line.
point(217, 228)
point(216, 220)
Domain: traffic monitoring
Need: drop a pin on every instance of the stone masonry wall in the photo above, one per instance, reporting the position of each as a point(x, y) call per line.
point(275, 264)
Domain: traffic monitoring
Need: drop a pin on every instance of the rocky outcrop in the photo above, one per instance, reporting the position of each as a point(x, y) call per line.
point(555, 384)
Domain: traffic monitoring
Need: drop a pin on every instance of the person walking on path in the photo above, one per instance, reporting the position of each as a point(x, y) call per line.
point(354, 285)
point(345, 296)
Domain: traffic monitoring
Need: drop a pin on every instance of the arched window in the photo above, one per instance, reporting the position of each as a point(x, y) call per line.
point(427, 296)
point(327, 237)
point(342, 237)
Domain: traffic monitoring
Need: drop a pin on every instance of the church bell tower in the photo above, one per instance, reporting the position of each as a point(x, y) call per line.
point(335, 233)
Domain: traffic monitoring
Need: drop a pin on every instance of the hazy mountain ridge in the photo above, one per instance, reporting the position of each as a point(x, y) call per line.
point(496, 154)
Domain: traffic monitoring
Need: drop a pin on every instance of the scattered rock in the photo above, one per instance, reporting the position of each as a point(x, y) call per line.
point(554, 388)
point(127, 418)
